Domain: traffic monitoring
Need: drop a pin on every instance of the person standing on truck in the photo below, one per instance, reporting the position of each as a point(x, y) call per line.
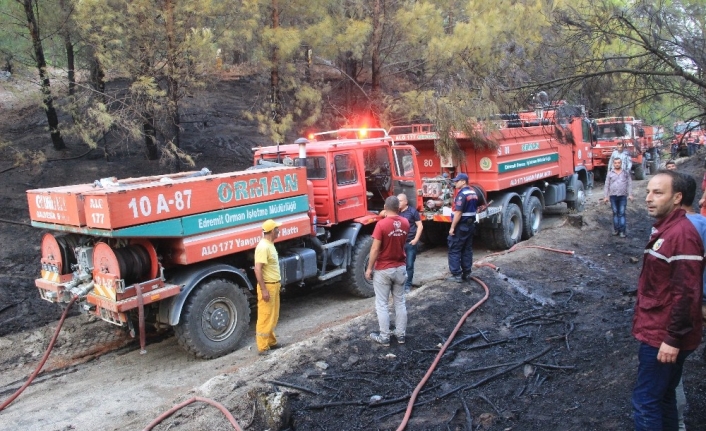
point(617, 190)
point(268, 287)
point(463, 226)
point(388, 258)
point(621, 153)
point(667, 318)
point(415, 232)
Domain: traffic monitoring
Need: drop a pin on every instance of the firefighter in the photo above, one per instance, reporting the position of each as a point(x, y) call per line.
point(667, 320)
point(268, 287)
point(460, 238)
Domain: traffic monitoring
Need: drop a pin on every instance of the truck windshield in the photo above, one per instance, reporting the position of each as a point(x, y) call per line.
point(614, 130)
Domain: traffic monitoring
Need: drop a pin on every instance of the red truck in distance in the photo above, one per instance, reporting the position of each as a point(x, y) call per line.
point(642, 142)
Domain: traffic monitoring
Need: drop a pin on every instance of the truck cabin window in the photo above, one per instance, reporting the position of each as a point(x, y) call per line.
point(404, 163)
point(345, 169)
point(315, 167)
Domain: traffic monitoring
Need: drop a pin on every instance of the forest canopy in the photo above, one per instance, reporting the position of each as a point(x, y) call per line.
point(324, 64)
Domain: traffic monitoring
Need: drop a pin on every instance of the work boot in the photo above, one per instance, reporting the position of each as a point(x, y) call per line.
point(400, 339)
point(455, 278)
point(466, 277)
point(622, 234)
point(615, 233)
point(380, 339)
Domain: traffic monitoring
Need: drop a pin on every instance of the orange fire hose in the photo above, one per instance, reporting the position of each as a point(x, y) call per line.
point(171, 411)
point(410, 404)
point(44, 358)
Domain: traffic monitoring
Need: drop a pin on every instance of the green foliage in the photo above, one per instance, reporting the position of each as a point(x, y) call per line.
point(448, 62)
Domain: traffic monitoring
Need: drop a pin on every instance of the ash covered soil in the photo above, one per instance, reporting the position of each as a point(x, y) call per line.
point(550, 349)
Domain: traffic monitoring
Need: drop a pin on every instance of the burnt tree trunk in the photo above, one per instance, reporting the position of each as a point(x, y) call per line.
point(148, 121)
point(376, 57)
point(69, 47)
point(274, 72)
point(375, 44)
point(172, 82)
point(45, 84)
point(70, 62)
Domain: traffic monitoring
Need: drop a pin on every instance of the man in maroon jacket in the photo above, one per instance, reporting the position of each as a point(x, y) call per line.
point(667, 319)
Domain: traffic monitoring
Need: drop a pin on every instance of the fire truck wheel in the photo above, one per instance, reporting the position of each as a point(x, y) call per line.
point(580, 203)
point(639, 172)
point(214, 319)
point(434, 234)
point(509, 232)
point(355, 281)
point(487, 235)
point(532, 217)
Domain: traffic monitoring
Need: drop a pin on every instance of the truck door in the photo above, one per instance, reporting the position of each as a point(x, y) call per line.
point(405, 173)
point(348, 193)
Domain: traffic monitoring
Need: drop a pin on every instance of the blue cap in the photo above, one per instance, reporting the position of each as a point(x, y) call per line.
point(461, 177)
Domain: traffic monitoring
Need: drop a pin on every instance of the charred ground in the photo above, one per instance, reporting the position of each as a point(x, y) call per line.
point(549, 350)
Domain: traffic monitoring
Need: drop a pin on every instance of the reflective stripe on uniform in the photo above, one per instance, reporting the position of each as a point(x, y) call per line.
point(673, 258)
point(467, 214)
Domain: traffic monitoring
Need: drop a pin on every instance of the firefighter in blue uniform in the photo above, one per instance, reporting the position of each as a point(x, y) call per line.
point(460, 238)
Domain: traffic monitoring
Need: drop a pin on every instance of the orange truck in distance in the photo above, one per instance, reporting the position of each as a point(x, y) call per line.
point(642, 142)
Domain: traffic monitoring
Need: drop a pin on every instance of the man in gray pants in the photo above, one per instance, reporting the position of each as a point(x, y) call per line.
point(387, 257)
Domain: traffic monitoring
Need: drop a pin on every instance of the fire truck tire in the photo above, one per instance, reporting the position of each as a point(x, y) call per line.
point(580, 203)
point(355, 281)
point(434, 234)
point(214, 319)
point(639, 172)
point(509, 232)
point(487, 235)
point(532, 218)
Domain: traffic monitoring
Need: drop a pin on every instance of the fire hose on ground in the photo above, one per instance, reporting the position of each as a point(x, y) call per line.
point(12, 397)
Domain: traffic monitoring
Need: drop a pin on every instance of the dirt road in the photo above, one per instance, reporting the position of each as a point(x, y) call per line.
point(116, 385)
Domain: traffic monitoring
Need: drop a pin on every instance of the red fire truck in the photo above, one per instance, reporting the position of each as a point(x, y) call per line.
point(178, 250)
point(638, 139)
point(542, 157)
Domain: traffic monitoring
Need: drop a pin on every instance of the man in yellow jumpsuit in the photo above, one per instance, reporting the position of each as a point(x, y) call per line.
point(268, 286)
